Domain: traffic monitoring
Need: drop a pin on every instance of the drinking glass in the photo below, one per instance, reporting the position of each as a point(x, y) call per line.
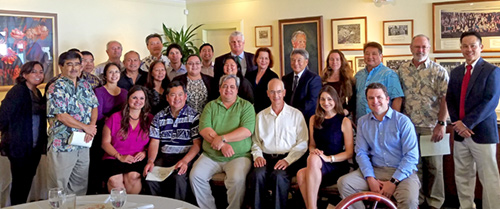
point(118, 197)
point(56, 197)
point(69, 201)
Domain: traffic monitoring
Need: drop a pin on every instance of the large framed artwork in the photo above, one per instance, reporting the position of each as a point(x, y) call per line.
point(451, 19)
point(301, 33)
point(349, 33)
point(398, 32)
point(394, 61)
point(24, 37)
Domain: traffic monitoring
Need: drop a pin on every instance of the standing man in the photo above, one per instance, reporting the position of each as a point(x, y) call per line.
point(472, 97)
point(303, 85)
point(88, 62)
point(114, 51)
point(280, 139)
point(424, 84)
point(387, 154)
point(132, 75)
point(174, 133)
point(226, 125)
point(175, 68)
point(155, 47)
point(237, 44)
point(376, 72)
point(71, 107)
point(206, 55)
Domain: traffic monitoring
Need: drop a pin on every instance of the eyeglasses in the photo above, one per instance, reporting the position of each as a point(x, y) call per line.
point(73, 64)
point(276, 92)
point(193, 63)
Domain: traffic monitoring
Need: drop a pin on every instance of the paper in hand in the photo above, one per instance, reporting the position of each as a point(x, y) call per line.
point(430, 148)
point(78, 138)
point(160, 173)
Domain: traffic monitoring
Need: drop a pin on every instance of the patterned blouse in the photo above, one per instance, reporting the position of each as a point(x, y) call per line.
point(197, 94)
point(78, 102)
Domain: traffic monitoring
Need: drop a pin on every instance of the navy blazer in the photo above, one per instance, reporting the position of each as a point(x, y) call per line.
point(306, 94)
point(219, 66)
point(481, 100)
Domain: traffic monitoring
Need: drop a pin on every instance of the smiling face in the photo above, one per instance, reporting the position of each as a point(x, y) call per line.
point(372, 57)
point(236, 43)
point(176, 98)
point(88, 63)
point(155, 46)
point(137, 100)
point(206, 53)
point(193, 66)
point(420, 48)
point(471, 48)
point(326, 102)
point(230, 67)
point(276, 92)
point(263, 60)
point(35, 77)
point(114, 50)
point(334, 61)
point(299, 42)
point(378, 102)
point(112, 74)
point(159, 72)
point(132, 62)
point(71, 68)
point(298, 63)
point(228, 90)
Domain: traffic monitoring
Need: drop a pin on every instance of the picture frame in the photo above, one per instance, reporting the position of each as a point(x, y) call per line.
point(264, 36)
point(26, 36)
point(309, 29)
point(349, 34)
point(394, 61)
point(359, 64)
point(398, 32)
point(449, 62)
point(451, 19)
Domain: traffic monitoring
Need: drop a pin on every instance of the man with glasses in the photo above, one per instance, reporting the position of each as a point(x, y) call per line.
point(71, 108)
point(472, 97)
point(424, 84)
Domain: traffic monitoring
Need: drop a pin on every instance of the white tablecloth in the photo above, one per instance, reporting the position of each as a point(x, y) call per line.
point(133, 201)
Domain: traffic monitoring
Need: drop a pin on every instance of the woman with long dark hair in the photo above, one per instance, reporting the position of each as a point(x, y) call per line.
point(125, 139)
point(156, 83)
point(329, 132)
point(24, 130)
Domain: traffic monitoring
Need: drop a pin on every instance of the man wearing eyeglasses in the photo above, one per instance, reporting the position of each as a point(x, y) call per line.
point(472, 97)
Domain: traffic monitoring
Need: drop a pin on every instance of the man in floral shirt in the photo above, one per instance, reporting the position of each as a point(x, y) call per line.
point(71, 107)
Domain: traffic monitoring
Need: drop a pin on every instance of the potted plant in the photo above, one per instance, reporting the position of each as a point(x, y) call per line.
point(182, 37)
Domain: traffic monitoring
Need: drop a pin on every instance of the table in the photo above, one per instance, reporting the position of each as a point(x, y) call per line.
point(132, 201)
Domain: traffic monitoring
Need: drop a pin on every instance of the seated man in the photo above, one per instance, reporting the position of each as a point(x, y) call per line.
point(280, 139)
point(387, 153)
point(226, 125)
point(173, 132)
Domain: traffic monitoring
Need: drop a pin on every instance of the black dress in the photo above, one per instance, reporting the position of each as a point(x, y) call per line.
point(262, 101)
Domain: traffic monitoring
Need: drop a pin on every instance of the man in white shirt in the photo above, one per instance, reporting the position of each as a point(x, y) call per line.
point(280, 139)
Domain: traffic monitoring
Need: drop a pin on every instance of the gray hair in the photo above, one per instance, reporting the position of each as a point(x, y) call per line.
point(294, 35)
point(420, 35)
point(110, 42)
point(227, 77)
point(237, 33)
point(302, 52)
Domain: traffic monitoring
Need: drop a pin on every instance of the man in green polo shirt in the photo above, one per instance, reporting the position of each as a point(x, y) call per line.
point(226, 125)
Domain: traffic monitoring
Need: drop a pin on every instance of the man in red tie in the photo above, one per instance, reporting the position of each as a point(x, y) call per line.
point(473, 94)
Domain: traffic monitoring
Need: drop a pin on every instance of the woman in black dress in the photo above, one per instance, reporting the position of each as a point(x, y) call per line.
point(259, 78)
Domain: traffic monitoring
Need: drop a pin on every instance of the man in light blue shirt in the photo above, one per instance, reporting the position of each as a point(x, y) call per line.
point(387, 153)
point(376, 72)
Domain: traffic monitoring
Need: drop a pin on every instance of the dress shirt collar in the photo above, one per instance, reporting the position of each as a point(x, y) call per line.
point(299, 74)
point(168, 110)
point(388, 114)
point(427, 63)
point(242, 55)
point(473, 65)
point(379, 66)
point(286, 109)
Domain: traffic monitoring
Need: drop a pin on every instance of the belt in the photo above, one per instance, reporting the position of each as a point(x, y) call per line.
point(274, 156)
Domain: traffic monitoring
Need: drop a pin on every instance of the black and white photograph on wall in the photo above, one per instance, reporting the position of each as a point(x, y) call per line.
point(360, 64)
point(349, 33)
point(449, 63)
point(263, 36)
point(398, 32)
point(394, 61)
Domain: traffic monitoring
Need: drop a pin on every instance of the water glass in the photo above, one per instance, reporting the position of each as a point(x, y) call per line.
point(56, 197)
point(118, 197)
point(69, 201)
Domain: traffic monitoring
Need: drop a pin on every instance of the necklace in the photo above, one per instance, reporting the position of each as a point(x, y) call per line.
point(133, 118)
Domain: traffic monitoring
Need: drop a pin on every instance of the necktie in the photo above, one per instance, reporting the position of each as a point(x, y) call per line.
point(238, 59)
point(295, 82)
point(463, 91)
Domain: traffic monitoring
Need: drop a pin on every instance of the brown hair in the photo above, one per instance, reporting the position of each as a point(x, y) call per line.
point(320, 112)
point(150, 81)
point(144, 120)
point(346, 77)
point(271, 62)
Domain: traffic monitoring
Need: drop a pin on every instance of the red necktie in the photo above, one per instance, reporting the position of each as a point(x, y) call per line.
point(463, 91)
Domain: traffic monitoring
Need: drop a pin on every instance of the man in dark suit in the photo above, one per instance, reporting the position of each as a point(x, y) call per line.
point(303, 85)
point(473, 93)
point(237, 44)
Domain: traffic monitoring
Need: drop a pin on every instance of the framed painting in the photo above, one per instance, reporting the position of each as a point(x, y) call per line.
point(451, 19)
point(398, 32)
point(301, 33)
point(349, 33)
point(264, 36)
point(26, 36)
point(394, 61)
point(359, 64)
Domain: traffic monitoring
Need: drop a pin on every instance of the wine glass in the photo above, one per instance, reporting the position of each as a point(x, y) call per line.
point(118, 197)
point(56, 197)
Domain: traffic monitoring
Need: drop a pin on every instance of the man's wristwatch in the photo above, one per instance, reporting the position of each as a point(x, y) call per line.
point(395, 181)
point(441, 123)
point(223, 139)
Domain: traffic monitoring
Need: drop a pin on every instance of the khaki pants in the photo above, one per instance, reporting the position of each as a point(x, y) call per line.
point(68, 170)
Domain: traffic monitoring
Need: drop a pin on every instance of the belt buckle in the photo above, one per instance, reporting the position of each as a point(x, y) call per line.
point(275, 155)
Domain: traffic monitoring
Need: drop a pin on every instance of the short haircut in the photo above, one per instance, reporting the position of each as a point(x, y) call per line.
point(302, 52)
point(193, 55)
point(259, 50)
point(174, 84)
point(174, 46)
point(110, 42)
point(377, 86)
point(27, 68)
point(88, 53)
point(237, 33)
point(373, 45)
point(227, 77)
point(67, 56)
point(150, 36)
point(420, 35)
point(294, 34)
point(132, 51)
point(74, 50)
point(471, 33)
point(207, 44)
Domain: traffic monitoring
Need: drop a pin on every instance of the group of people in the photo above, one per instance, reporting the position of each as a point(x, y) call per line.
point(236, 116)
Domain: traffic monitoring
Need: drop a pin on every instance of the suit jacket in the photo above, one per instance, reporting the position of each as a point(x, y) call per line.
point(306, 94)
point(481, 100)
point(219, 66)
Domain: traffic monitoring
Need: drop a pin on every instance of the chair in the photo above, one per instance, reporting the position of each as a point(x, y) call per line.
point(368, 196)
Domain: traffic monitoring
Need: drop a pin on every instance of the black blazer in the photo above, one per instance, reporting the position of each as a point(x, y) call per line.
point(262, 101)
point(306, 94)
point(481, 100)
point(16, 123)
point(219, 66)
point(207, 80)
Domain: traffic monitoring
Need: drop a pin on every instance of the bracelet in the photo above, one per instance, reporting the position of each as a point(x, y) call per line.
point(332, 158)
